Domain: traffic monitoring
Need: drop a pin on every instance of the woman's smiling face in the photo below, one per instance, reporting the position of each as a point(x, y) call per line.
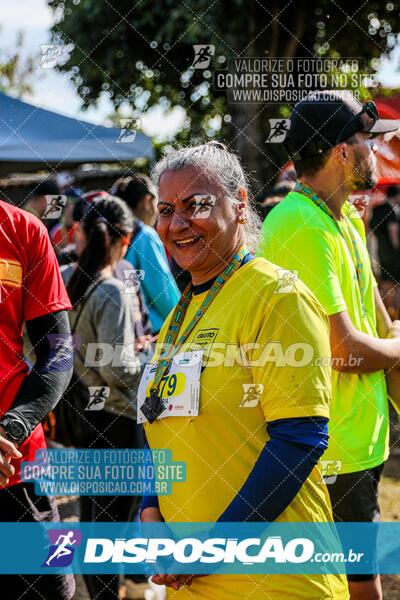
point(197, 223)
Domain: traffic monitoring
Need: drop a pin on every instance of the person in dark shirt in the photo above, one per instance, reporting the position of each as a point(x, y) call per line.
point(68, 260)
point(385, 226)
point(267, 200)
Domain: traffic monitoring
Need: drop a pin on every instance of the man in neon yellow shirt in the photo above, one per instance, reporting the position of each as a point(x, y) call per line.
point(319, 235)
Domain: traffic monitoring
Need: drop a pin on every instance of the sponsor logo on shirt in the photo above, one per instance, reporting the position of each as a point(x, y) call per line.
point(10, 272)
point(204, 340)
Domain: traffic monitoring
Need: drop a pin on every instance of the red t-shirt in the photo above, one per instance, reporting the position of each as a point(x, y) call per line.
point(30, 286)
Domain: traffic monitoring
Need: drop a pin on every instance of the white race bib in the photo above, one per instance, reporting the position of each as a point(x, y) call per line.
point(179, 390)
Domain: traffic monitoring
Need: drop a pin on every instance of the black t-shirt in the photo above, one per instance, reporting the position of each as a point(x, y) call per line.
point(389, 257)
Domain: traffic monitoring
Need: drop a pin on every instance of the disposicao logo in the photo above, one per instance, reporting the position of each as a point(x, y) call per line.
point(192, 550)
point(62, 547)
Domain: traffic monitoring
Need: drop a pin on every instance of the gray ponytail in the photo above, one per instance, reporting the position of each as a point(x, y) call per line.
point(222, 165)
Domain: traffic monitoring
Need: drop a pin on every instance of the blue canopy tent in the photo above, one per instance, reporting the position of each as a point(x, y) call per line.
point(32, 138)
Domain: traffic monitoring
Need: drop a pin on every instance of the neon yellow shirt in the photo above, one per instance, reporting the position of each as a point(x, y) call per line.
point(274, 334)
point(299, 235)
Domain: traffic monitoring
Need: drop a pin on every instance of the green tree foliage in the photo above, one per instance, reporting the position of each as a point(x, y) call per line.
point(140, 53)
point(16, 73)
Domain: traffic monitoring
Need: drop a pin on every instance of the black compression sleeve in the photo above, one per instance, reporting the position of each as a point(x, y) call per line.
point(41, 390)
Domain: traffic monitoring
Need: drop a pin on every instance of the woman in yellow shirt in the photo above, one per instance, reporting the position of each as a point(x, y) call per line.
point(253, 425)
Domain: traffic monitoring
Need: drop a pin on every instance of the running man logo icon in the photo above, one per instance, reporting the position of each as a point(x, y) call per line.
point(54, 206)
point(278, 129)
point(203, 205)
point(131, 280)
point(98, 396)
point(251, 394)
point(62, 547)
point(359, 204)
point(330, 469)
point(62, 347)
point(128, 127)
point(286, 280)
point(202, 56)
point(50, 55)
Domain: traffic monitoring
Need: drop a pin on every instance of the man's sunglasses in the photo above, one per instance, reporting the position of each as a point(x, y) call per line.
point(370, 109)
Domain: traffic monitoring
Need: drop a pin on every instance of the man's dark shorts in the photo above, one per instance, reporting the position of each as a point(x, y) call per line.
point(354, 498)
point(19, 503)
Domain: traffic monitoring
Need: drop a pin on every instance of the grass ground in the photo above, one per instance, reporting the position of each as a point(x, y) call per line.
point(389, 499)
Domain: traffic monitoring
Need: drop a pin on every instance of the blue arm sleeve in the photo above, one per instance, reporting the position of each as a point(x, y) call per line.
point(148, 501)
point(287, 459)
point(159, 287)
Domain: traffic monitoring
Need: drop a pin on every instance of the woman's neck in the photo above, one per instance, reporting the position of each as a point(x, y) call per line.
point(143, 216)
point(108, 270)
point(215, 270)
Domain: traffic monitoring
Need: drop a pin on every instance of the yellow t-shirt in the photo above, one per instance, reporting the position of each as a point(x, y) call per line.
point(281, 334)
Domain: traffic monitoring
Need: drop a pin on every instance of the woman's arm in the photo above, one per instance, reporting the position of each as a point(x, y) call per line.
point(43, 387)
point(114, 325)
point(150, 509)
point(372, 353)
point(289, 456)
point(287, 459)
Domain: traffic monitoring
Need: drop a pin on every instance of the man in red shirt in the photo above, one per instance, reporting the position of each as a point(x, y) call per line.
point(31, 292)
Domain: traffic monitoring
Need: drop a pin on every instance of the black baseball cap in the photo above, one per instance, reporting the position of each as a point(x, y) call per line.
point(326, 118)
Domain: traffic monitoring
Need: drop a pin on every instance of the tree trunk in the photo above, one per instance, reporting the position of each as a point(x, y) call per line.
point(262, 160)
point(248, 140)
